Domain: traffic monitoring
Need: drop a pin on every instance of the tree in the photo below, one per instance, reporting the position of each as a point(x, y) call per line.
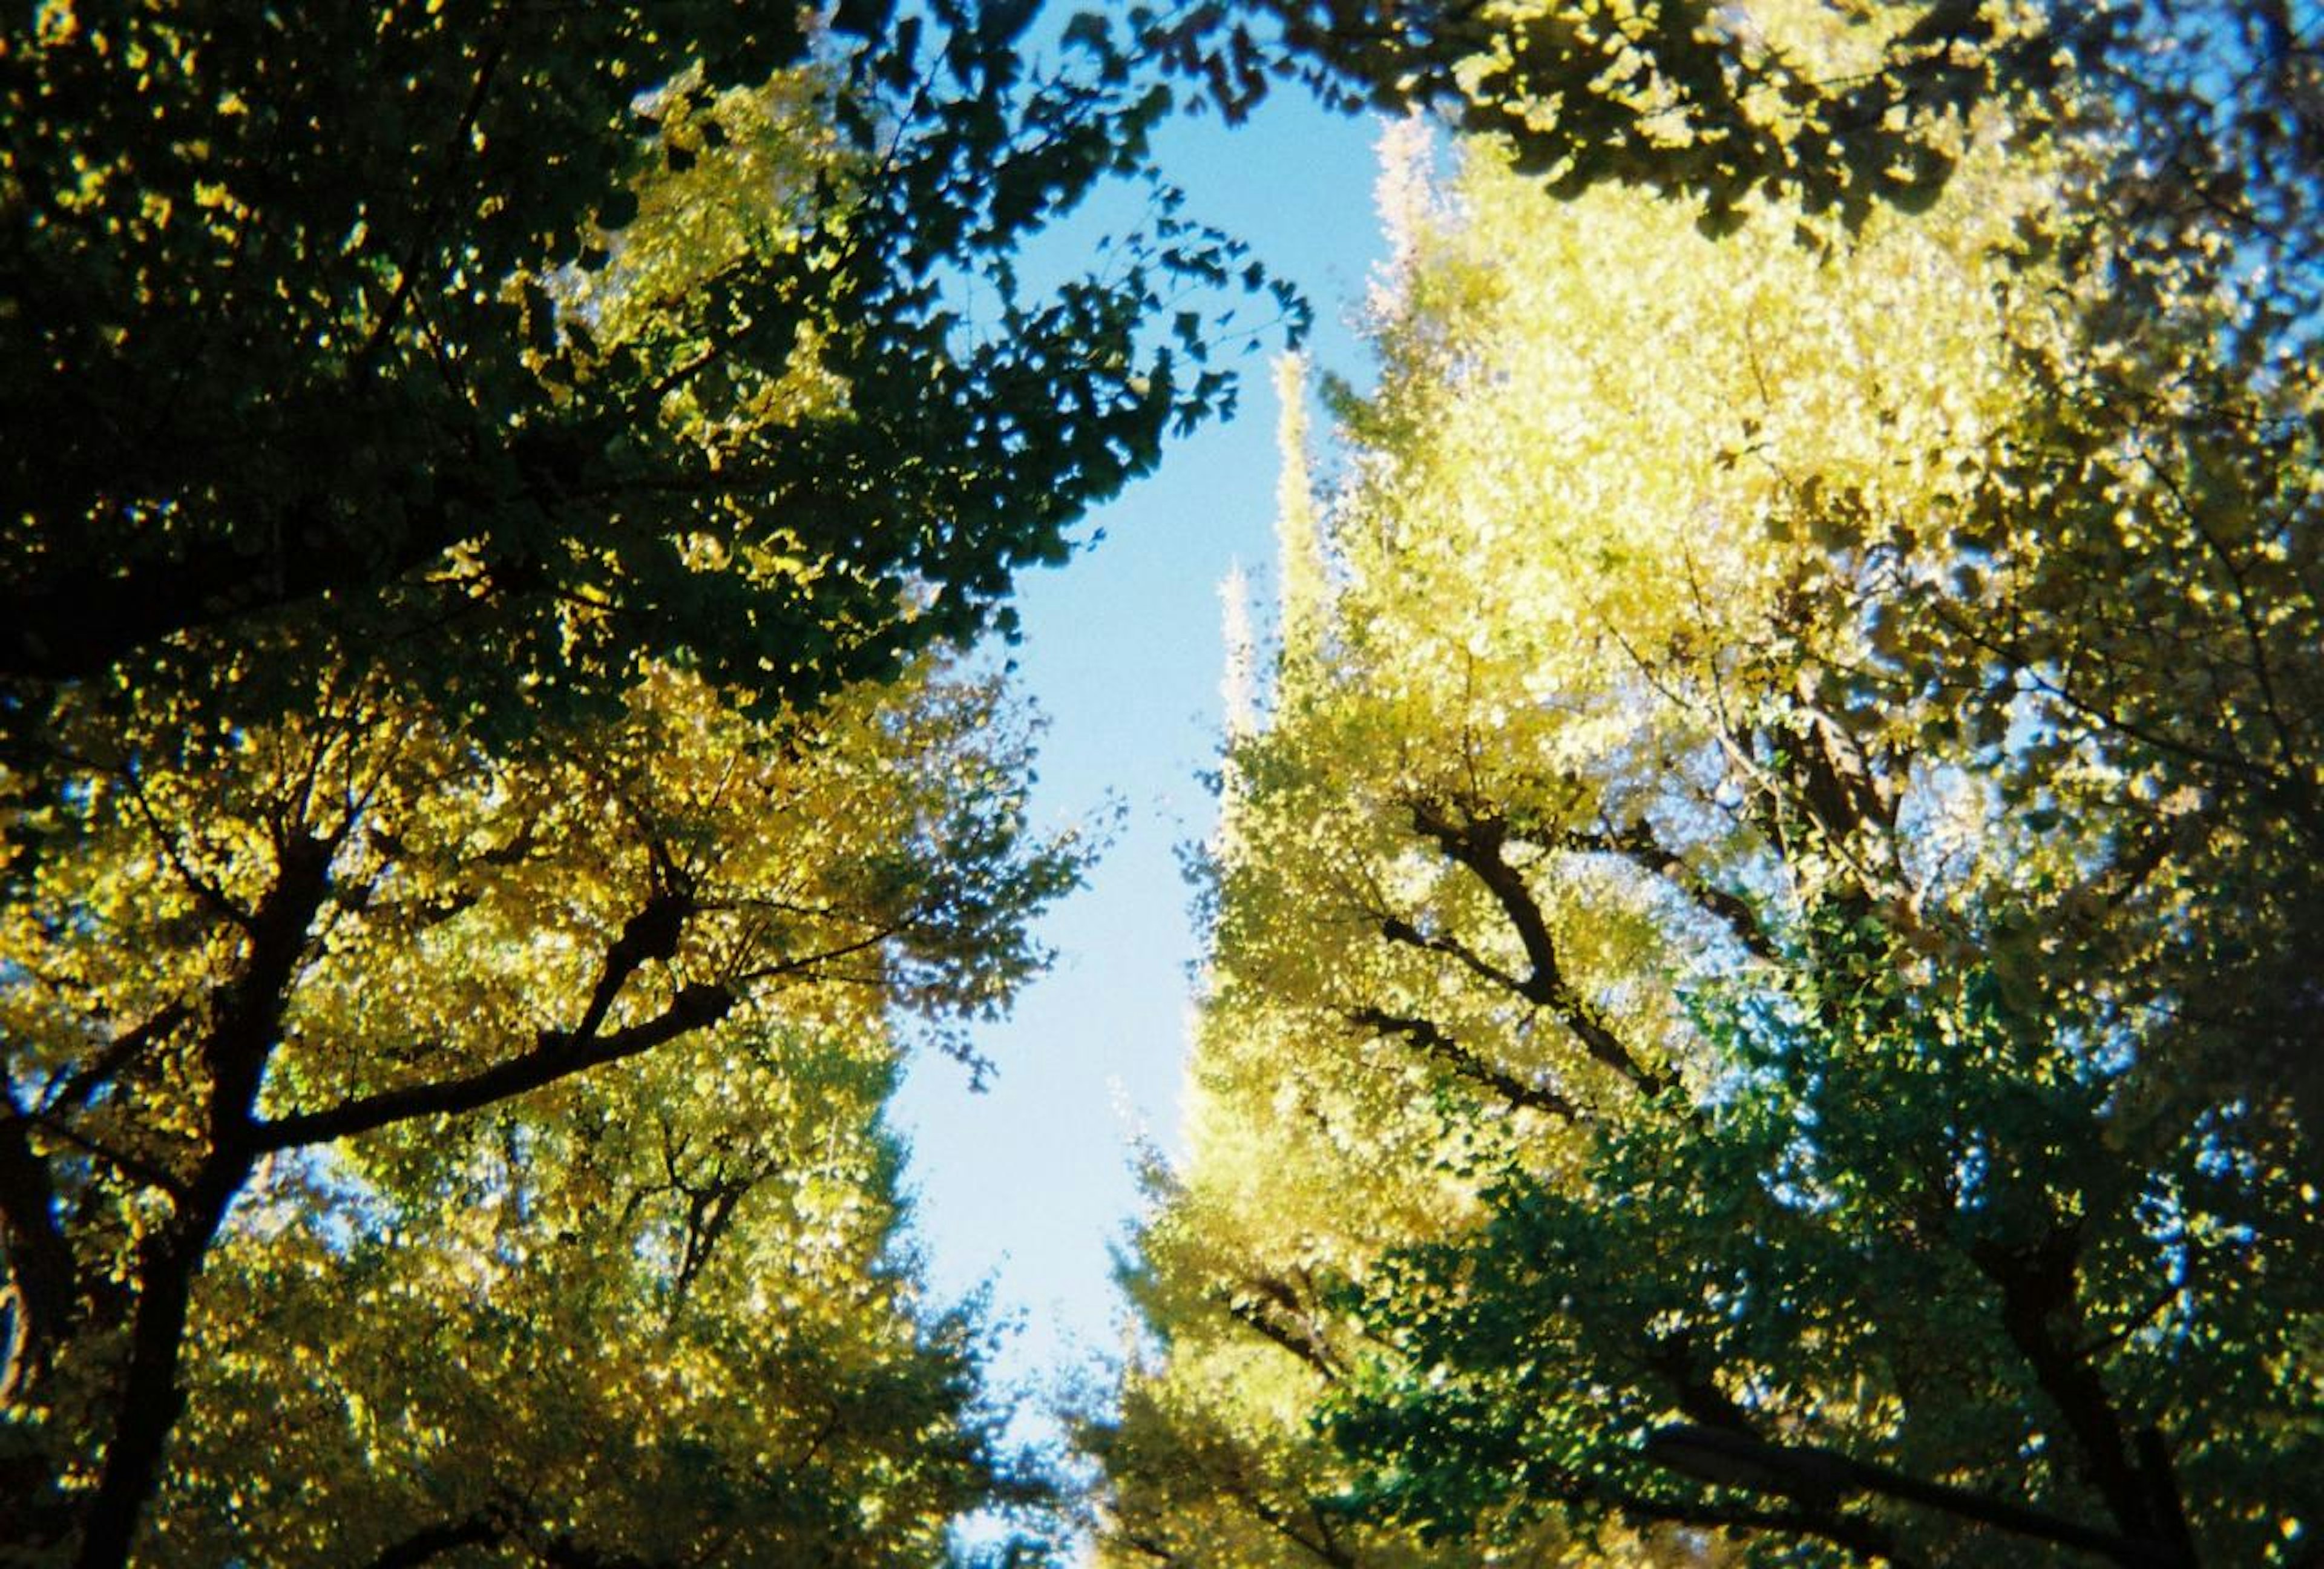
point(1703, 102)
point(307, 337)
point(1782, 817)
point(2140, 565)
point(366, 1076)
point(484, 483)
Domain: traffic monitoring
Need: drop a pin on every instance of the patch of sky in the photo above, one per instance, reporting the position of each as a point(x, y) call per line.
point(1029, 1186)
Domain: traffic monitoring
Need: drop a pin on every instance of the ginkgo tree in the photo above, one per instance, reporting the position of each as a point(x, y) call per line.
point(1762, 957)
point(445, 1148)
point(1689, 97)
point(481, 813)
point(317, 331)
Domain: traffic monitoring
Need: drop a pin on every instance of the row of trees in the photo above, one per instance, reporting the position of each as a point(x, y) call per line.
point(1763, 1002)
point(495, 494)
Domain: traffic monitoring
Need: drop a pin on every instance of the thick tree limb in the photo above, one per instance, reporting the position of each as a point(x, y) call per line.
point(1673, 1357)
point(555, 1056)
point(245, 1024)
point(1861, 1538)
point(491, 1526)
point(1805, 1473)
point(481, 1530)
point(2038, 1286)
point(1477, 843)
point(41, 1273)
point(650, 934)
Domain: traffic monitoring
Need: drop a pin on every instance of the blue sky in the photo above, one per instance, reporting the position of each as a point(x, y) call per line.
point(1028, 1184)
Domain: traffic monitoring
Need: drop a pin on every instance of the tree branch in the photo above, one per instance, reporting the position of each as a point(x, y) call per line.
point(1305, 1342)
point(41, 1268)
point(1424, 1034)
point(1476, 843)
point(1253, 1318)
point(246, 1026)
point(1803, 1472)
point(117, 1055)
point(1642, 847)
point(652, 933)
point(1398, 930)
point(482, 1529)
point(2038, 1284)
point(555, 1056)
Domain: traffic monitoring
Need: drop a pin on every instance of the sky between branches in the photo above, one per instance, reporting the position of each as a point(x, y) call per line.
point(1030, 1185)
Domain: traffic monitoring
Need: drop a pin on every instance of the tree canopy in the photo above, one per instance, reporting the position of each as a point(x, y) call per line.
point(1710, 104)
point(420, 314)
point(1761, 999)
point(492, 1144)
point(1762, 995)
point(491, 489)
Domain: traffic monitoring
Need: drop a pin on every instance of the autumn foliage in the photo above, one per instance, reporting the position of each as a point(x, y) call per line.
point(1762, 990)
point(1762, 1001)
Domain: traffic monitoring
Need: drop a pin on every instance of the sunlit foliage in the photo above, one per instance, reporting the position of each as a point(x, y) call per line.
point(482, 814)
point(489, 1143)
point(1763, 938)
